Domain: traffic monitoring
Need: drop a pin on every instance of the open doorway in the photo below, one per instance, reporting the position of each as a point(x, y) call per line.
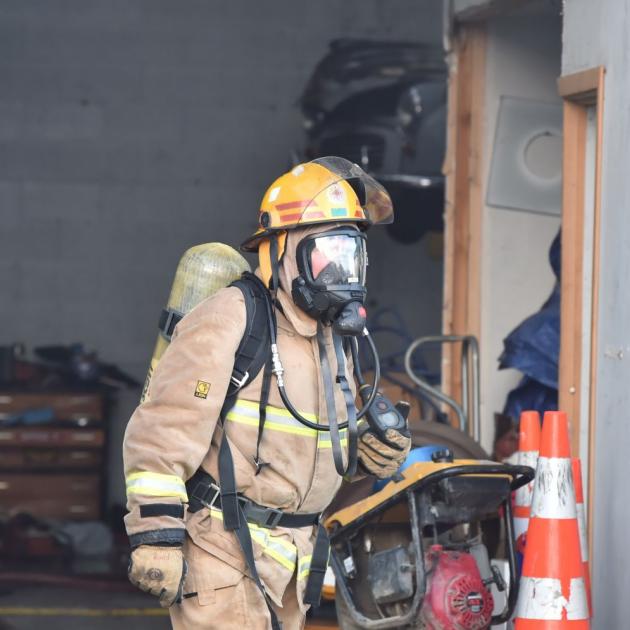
point(503, 208)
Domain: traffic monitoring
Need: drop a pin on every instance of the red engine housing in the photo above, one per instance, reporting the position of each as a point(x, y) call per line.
point(456, 598)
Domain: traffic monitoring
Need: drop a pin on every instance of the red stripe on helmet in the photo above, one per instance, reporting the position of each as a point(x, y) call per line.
point(287, 218)
point(291, 205)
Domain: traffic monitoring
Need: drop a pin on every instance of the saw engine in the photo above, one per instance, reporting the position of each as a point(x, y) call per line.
point(456, 596)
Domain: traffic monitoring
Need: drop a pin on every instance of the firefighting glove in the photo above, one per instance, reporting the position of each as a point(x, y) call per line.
point(379, 458)
point(160, 571)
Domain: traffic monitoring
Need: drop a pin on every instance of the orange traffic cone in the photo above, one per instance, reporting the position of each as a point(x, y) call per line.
point(579, 504)
point(528, 445)
point(552, 594)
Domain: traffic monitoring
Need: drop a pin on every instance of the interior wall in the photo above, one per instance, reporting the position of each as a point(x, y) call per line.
point(599, 34)
point(131, 130)
point(523, 60)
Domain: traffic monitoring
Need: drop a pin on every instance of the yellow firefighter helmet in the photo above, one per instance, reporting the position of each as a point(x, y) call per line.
point(325, 190)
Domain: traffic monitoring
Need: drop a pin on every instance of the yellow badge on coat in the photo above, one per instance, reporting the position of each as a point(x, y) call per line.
point(202, 389)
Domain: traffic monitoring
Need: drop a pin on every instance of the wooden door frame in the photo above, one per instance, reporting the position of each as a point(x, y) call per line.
point(579, 91)
point(461, 312)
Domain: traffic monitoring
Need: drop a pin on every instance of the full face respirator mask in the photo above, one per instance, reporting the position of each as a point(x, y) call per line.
point(330, 286)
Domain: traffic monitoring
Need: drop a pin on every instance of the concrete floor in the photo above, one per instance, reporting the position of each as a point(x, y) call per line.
point(59, 608)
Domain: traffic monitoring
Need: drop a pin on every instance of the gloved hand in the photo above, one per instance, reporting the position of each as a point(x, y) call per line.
point(160, 571)
point(380, 459)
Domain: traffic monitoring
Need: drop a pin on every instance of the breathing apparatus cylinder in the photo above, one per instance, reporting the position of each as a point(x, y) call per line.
point(201, 272)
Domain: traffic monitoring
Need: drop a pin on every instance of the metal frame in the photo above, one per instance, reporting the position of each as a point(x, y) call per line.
point(469, 360)
point(418, 597)
point(521, 475)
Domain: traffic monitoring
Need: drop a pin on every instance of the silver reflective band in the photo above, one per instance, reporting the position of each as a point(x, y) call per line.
point(156, 485)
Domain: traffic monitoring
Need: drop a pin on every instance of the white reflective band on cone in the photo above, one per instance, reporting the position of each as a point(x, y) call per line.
point(523, 495)
point(156, 485)
point(582, 527)
point(554, 496)
point(520, 526)
point(542, 599)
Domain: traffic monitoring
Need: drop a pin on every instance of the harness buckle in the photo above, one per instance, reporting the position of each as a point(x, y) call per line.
point(272, 518)
point(205, 489)
point(260, 515)
point(239, 383)
point(169, 319)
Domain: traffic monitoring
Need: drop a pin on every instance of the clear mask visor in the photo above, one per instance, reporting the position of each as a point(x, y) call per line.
point(337, 260)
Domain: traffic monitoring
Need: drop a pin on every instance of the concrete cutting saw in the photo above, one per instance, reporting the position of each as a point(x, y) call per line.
point(415, 554)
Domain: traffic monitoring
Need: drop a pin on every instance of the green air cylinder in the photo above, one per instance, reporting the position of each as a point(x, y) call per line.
point(201, 272)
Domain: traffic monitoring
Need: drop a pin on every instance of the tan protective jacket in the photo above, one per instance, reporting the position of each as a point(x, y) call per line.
point(176, 431)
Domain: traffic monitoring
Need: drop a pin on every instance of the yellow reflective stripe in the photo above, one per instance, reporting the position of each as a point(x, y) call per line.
point(304, 567)
point(275, 411)
point(279, 549)
point(324, 440)
point(270, 424)
point(272, 550)
point(156, 485)
point(247, 412)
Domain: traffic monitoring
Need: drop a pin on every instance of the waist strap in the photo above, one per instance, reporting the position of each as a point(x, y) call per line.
point(203, 491)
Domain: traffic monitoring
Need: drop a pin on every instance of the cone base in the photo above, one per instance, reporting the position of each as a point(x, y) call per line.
point(545, 624)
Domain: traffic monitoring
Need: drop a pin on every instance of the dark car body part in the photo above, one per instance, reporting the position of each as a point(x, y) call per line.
point(381, 105)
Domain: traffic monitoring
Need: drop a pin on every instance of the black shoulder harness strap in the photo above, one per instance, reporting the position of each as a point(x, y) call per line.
point(254, 349)
point(253, 353)
point(250, 357)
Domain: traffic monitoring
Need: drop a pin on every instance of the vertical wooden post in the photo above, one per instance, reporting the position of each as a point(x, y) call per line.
point(570, 362)
point(463, 203)
point(579, 91)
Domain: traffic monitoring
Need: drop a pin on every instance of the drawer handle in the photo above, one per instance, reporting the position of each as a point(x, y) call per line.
point(78, 509)
point(84, 437)
point(79, 455)
point(4, 485)
point(6, 435)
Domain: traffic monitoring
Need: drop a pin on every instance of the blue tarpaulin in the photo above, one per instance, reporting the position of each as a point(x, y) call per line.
point(533, 348)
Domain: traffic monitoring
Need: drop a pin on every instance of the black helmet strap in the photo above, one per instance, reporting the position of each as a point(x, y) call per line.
point(275, 262)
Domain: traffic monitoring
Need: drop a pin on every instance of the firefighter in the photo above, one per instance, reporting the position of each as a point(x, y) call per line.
point(253, 559)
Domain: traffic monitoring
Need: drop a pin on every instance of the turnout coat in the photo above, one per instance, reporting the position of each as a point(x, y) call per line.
point(177, 430)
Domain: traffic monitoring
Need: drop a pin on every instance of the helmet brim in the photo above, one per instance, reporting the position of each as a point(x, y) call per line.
point(252, 243)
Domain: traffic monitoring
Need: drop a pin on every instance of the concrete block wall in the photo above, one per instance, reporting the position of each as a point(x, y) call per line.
point(131, 130)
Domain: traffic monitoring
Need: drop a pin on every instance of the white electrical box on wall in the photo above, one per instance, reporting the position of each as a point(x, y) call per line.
point(526, 170)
